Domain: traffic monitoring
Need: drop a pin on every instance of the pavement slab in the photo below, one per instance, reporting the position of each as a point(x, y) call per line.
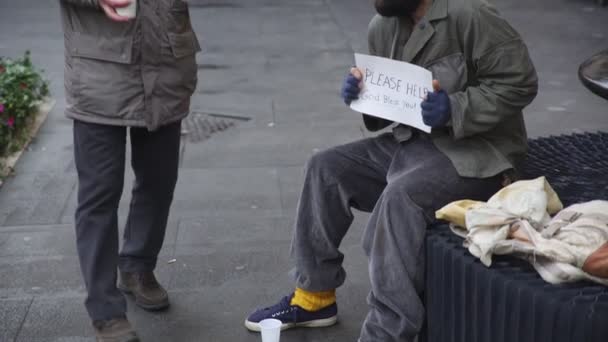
point(12, 315)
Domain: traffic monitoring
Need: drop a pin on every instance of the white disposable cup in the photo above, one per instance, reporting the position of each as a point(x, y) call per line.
point(271, 330)
point(129, 11)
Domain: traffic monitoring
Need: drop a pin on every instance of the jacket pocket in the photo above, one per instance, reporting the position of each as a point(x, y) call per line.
point(102, 81)
point(179, 5)
point(109, 49)
point(183, 44)
point(450, 71)
point(179, 17)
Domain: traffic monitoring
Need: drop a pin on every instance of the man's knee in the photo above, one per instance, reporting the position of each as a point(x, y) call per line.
point(408, 196)
point(161, 179)
point(324, 164)
point(101, 189)
point(398, 193)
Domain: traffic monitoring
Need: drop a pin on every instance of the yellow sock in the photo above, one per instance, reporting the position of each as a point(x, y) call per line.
point(313, 301)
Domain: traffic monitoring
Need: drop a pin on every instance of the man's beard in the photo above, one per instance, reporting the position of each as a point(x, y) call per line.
point(396, 8)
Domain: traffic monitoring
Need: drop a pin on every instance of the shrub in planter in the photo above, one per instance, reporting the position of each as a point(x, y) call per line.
point(22, 89)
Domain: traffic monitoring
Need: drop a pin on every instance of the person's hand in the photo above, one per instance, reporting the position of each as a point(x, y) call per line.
point(351, 86)
point(436, 111)
point(109, 7)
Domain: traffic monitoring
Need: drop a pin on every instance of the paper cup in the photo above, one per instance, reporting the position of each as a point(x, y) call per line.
point(271, 330)
point(129, 11)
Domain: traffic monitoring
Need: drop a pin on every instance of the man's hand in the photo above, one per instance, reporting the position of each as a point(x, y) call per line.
point(351, 86)
point(436, 111)
point(109, 7)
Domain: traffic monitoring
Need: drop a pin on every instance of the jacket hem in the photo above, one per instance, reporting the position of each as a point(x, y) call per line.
point(499, 166)
point(96, 119)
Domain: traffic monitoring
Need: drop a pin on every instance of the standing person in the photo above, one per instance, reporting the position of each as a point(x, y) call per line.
point(137, 75)
point(484, 79)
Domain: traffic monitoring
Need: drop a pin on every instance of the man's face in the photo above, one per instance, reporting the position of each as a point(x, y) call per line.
point(396, 8)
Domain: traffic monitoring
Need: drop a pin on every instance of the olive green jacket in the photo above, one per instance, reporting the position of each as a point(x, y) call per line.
point(484, 66)
point(139, 73)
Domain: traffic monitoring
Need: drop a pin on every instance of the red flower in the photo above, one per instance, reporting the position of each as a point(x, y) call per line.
point(23, 86)
point(10, 122)
point(2, 69)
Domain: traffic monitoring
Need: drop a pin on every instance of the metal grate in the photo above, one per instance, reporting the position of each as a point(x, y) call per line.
point(200, 126)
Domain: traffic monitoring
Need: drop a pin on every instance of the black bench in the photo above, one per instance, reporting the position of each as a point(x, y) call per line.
point(468, 302)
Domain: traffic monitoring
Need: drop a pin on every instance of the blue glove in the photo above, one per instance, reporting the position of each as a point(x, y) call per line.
point(350, 89)
point(436, 111)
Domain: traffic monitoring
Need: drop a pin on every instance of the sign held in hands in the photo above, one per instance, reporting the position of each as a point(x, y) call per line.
point(393, 90)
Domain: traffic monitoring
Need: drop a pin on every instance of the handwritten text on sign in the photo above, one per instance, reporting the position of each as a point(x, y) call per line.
point(393, 90)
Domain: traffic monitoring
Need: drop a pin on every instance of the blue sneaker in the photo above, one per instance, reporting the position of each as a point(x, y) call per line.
point(293, 316)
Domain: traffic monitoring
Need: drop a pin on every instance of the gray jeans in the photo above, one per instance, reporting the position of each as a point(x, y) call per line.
point(100, 161)
point(402, 185)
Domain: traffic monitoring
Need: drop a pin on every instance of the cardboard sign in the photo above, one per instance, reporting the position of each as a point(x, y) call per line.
point(393, 90)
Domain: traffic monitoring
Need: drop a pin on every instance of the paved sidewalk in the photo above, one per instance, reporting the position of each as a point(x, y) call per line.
point(279, 64)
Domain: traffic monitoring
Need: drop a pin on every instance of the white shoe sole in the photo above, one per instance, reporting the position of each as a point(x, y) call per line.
point(318, 323)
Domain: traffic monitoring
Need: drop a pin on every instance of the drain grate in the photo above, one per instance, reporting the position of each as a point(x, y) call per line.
point(200, 126)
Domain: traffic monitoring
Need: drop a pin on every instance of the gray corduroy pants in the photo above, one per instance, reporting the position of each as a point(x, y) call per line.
point(402, 185)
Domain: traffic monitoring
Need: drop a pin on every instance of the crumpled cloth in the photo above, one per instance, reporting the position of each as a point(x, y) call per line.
point(517, 220)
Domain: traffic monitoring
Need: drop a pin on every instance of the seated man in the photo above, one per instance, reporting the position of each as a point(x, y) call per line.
point(402, 177)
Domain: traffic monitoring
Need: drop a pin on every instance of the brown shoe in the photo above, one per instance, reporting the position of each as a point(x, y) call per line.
point(114, 330)
point(149, 294)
